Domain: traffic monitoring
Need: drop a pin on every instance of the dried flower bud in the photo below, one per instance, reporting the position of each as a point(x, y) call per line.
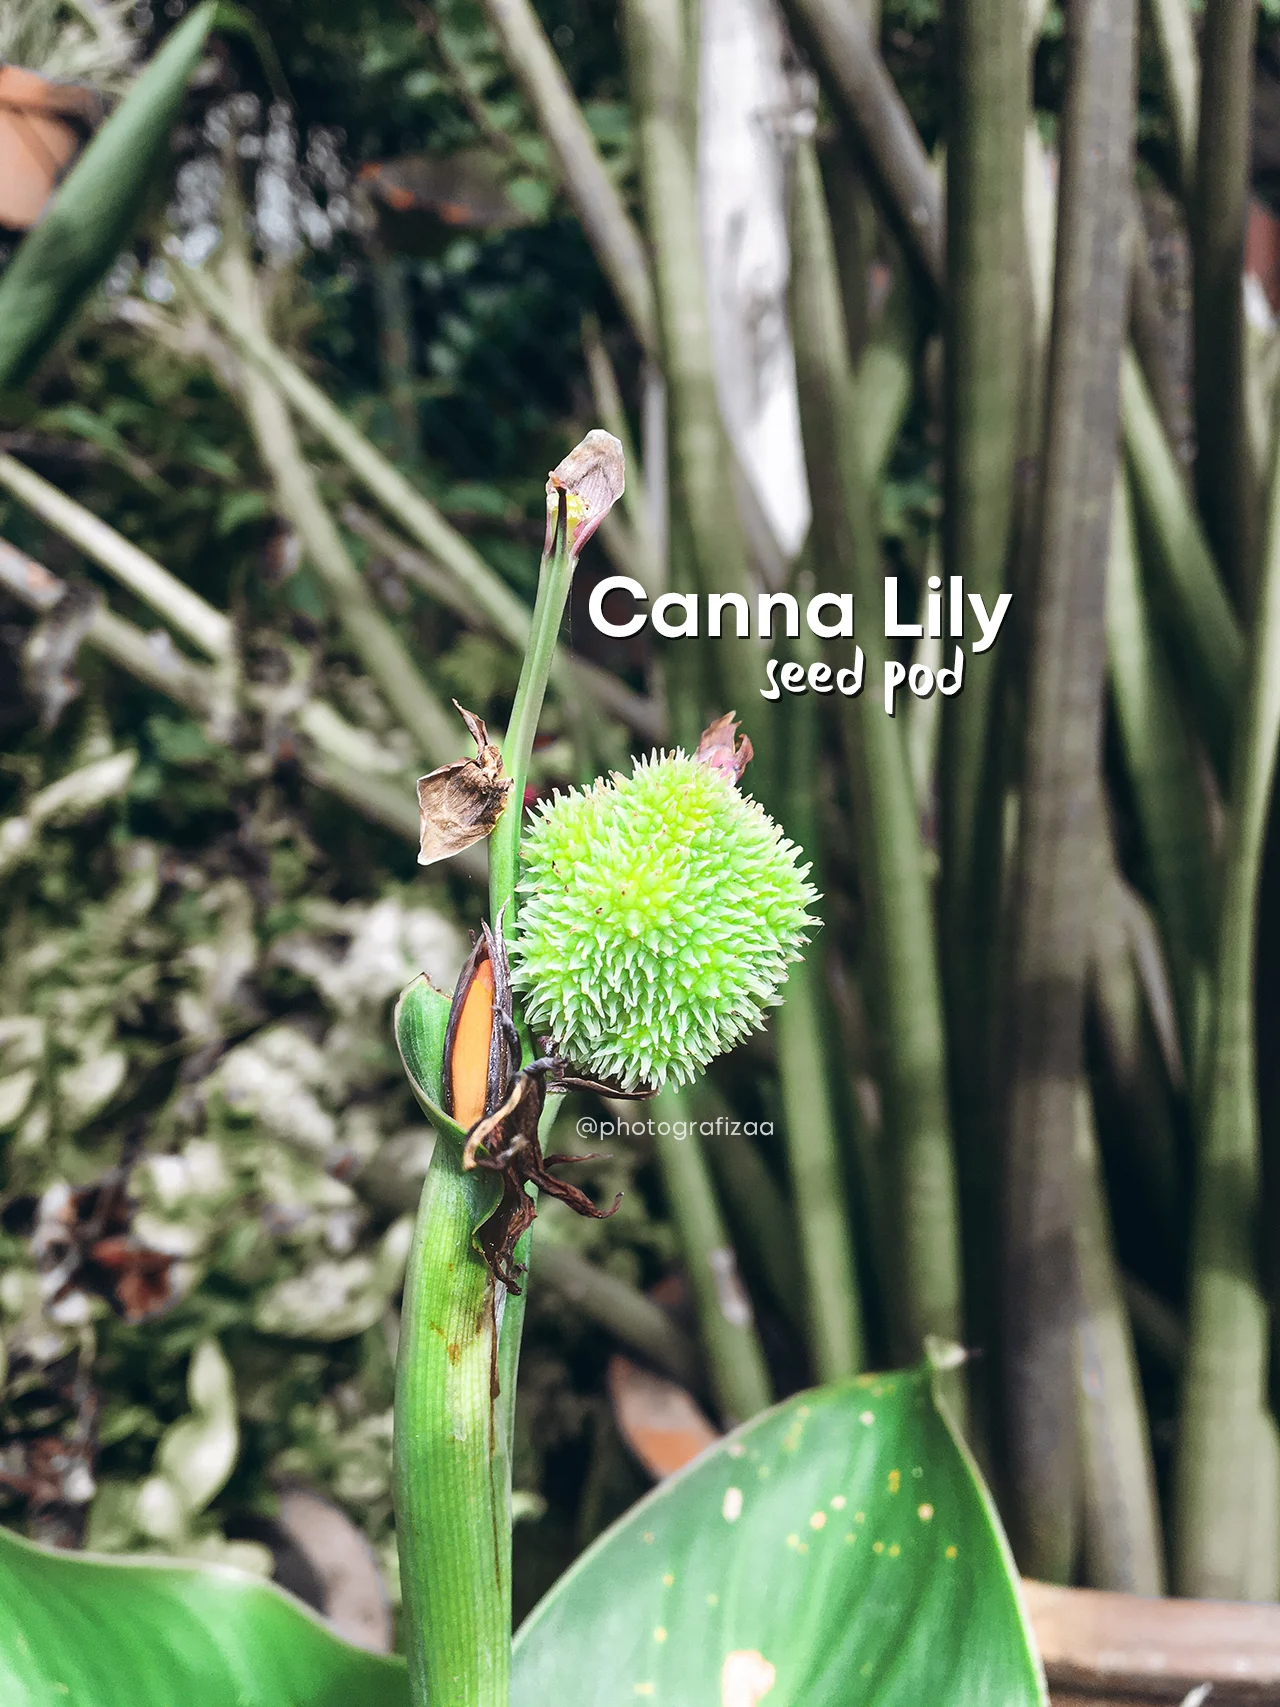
point(584, 488)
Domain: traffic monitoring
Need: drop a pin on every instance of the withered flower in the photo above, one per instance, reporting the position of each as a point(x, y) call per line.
point(459, 804)
point(585, 486)
point(500, 1104)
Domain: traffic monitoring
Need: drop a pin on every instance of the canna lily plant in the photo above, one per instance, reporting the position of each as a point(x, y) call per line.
point(841, 1540)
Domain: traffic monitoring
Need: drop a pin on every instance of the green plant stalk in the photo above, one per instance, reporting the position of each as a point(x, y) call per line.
point(1167, 789)
point(1123, 1546)
point(1185, 585)
point(555, 578)
point(986, 337)
point(844, 50)
point(735, 1363)
point(1220, 1517)
point(186, 612)
point(1052, 896)
point(701, 461)
point(1225, 476)
point(453, 1511)
point(891, 859)
point(834, 1312)
point(609, 228)
point(1180, 65)
point(433, 729)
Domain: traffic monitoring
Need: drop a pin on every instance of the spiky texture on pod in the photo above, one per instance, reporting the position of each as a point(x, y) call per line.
point(660, 912)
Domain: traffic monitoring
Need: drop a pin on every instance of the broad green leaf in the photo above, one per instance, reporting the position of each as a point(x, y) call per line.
point(97, 1632)
point(422, 1017)
point(838, 1551)
point(92, 213)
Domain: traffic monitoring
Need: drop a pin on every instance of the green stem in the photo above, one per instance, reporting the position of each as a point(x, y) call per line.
point(834, 1314)
point(185, 611)
point(555, 578)
point(453, 1517)
point(1222, 1519)
point(1123, 1546)
point(1225, 476)
point(610, 231)
point(1052, 897)
point(1167, 790)
point(1180, 65)
point(891, 857)
point(739, 1376)
point(1186, 588)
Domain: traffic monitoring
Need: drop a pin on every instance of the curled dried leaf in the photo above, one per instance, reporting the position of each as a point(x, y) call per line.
point(459, 804)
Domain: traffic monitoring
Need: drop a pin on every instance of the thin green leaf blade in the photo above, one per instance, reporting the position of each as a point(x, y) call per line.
point(137, 1633)
point(92, 214)
point(843, 1539)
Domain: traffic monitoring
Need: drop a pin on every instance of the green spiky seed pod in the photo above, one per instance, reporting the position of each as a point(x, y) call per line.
point(661, 912)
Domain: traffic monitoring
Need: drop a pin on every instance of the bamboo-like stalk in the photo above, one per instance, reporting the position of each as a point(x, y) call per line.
point(609, 228)
point(637, 499)
point(1051, 893)
point(1180, 65)
point(986, 322)
point(839, 37)
point(1225, 477)
point(834, 1313)
point(1222, 1519)
point(987, 327)
point(433, 729)
point(1167, 789)
point(891, 861)
point(1186, 587)
point(1122, 1541)
point(701, 462)
point(735, 1363)
point(184, 611)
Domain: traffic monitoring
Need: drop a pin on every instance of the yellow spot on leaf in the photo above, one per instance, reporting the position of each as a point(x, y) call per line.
point(951, 1552)
point(668, 1580)
point(735, 1449)
point(660, 1634)
point(867, 1418)
point(713, 1600)
point(818, 1520)
point(838, 1503)
point(895, 1481)
point(877, 1546)
point(924, 1513)
point(859, 1517)
point(793, 1540)
point(731, 1505)
point(647, 1536)
point(894, 1550)
point(644, 1689)
point(802, 1410)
